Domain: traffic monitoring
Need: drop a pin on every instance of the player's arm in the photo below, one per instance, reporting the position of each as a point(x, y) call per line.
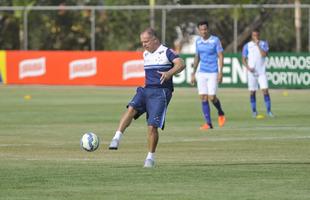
point(246, 65)
point(262, 50)
point(221, 63)
point(196, 62)
point(245, 62)
point(244, 58)
point(195, 66)
point(178, 66)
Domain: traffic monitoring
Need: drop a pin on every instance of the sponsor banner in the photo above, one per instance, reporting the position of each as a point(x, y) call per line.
point(110, 68)
point(123, 68)
point(289, 70)
point(133, 69)
point(83, 68)
point(284, 70)
point(32, 67)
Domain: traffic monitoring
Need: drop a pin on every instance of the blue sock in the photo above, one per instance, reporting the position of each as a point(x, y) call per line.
point(206, 111)
point(253, 102)
point(218, 106)
point(267, 102)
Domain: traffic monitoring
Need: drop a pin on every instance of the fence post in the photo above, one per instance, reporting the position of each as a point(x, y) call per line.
point(298, 25)
point(235, 34)
point(236, 16)
point(309, 29)
point(163, 25)
point(25, 34)
point(152, 13)
point(93, 30)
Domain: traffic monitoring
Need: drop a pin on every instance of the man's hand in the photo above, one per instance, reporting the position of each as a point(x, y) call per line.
point(256, 41)
point(220, 77)
point(251, 69)
point(164, 76)
point(193, 79)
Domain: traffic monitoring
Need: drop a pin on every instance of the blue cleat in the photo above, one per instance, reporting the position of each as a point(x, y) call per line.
point(270, 114)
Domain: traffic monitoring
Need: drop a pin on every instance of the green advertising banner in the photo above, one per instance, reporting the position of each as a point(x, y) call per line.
point(284, 70)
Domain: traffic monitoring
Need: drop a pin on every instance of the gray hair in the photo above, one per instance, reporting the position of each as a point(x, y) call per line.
point(151, 32)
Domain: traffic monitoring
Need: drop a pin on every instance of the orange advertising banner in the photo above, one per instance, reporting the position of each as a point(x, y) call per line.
point(110, 68)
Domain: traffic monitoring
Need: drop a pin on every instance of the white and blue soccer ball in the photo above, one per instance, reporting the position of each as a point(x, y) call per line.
point(89, 142)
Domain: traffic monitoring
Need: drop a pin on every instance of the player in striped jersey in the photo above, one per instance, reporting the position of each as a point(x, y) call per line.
point(160, 64)
point(209, 57)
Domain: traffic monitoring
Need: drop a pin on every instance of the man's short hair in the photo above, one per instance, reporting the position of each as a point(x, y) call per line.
point(150, 31)
point(256, 30)
point(203, 23)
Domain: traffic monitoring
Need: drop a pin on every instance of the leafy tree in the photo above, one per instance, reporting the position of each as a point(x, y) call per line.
point(119, 29)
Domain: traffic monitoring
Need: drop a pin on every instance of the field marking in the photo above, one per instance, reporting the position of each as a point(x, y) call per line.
point(203, 138)
point(134, 163)
point(227, 139)
point(265, 128)
point(14, 145)
point(258, 138)
point(270, 128)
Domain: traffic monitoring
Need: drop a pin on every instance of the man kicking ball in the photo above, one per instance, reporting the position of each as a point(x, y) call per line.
point(160, 64)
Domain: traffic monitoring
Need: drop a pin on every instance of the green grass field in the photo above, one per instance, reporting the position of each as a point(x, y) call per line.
point(251, 159)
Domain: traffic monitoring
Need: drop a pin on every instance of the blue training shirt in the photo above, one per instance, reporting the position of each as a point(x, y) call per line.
point(207, 51)
point(160, 60)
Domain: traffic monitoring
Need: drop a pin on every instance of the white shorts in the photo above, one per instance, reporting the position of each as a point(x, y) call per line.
point(257, 79)
point(206, 83)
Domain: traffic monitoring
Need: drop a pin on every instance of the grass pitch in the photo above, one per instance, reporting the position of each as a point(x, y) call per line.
point(40, 157)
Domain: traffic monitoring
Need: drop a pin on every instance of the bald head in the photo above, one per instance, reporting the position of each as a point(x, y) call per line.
point(150, 32)
point(149, 40)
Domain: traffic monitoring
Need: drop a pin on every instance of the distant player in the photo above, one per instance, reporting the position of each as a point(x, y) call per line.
point(253, 58)
point(160, 64)
point(209, 57)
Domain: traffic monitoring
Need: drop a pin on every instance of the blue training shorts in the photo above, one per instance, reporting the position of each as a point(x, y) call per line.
point(153, 101)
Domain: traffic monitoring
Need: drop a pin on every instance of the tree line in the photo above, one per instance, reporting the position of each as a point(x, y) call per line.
point(119, 29)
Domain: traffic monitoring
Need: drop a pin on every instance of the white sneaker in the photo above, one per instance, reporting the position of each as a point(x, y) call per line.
point(149, 163)
point(254, 114)
point(114, 144)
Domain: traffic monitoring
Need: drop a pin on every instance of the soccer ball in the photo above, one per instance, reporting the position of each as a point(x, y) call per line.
point(89, 142)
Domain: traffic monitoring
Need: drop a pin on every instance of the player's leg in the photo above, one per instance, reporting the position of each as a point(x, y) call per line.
point(221, 115)
point(126, 119)
point(217, 104)
point(212, 89)
point(152, 138)
point(123, 124)
point(263, 83)
point(202, 86)
point(134, 109)
point(252, 86)
point(157, 101)
point(152, 144)
point(267, 102)
point(253, 102)
point(206, 112)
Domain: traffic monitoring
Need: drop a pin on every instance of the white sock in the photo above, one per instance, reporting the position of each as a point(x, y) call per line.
point(150, 156)
point(118, 135)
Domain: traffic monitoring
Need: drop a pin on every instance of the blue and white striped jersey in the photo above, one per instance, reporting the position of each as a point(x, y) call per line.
point(159, 60)
point(208, 53)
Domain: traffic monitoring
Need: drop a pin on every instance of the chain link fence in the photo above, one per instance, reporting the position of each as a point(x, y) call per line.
point(118, 27)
